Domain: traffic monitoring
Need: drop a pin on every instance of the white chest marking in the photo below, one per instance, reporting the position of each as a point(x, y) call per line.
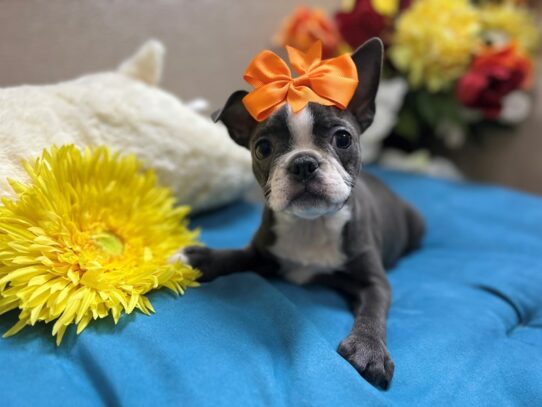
point(307, 247)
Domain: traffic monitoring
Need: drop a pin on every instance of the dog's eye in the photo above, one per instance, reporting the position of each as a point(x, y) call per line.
point(342, 139)
point(263, 149)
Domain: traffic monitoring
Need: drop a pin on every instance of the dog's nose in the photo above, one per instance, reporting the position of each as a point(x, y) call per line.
point(303, 167)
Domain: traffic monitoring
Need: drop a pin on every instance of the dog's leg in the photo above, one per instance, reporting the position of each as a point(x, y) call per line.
point(217, 263)
point(366, 285)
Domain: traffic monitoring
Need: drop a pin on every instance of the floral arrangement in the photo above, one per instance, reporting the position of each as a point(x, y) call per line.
point(451, 65)
point(89, 235)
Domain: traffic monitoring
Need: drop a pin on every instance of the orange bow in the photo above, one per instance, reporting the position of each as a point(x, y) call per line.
point(331, 82)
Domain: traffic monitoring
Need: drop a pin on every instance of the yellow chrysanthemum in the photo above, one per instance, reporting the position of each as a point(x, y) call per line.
point(88, 236)
point(387, 8)
point(517, 22)
point(434, 42)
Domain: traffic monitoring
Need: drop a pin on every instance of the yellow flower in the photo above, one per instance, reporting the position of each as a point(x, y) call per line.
point(386, 7)
point(517, 22)
point(434, 42)
point(88, 236)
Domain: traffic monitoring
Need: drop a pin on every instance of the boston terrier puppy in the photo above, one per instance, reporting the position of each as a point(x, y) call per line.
point(324, 219)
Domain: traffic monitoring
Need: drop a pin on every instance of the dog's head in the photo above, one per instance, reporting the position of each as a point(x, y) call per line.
point(307, 162)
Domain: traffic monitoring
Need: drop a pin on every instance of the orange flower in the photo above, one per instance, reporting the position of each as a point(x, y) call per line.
point(307, 25)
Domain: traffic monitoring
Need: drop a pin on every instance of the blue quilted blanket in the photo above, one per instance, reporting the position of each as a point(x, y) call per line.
point(465, 326)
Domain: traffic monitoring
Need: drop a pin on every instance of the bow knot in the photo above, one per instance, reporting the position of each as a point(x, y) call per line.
point(302, 80)
point(330, 82)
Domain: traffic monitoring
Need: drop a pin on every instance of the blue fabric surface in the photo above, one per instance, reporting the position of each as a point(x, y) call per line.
point(465, 326)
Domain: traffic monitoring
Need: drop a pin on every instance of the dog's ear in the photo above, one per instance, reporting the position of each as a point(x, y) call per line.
point(236, 118)
point(368, 59)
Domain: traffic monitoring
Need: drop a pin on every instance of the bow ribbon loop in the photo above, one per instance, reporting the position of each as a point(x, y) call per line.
point(330, 82)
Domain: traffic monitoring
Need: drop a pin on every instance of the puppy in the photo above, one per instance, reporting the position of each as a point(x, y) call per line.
point(324, 219)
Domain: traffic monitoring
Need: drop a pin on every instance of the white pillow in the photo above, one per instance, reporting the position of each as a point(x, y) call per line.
point(125, 110)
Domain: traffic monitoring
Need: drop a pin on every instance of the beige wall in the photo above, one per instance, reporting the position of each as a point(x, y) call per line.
point(209, 43)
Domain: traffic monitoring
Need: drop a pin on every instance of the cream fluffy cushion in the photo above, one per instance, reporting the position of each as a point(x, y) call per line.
point(127, 112)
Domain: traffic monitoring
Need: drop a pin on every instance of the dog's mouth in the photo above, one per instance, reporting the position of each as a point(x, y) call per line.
point(311, 202)
point(308, 194)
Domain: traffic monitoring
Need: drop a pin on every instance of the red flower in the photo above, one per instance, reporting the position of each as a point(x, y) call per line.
point(364, 22)
point(404, 4)
point(494, 74)
point(361, 24)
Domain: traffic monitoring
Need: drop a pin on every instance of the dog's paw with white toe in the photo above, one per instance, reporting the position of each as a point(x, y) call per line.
point(179, 257)
point(201, 258)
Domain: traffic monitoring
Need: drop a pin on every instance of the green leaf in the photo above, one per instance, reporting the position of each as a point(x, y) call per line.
point(427, 107)
point(407, 125)
point(435, 107)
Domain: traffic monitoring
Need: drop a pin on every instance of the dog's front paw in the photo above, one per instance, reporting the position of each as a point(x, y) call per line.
point(370, 357)
point(200, 258)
